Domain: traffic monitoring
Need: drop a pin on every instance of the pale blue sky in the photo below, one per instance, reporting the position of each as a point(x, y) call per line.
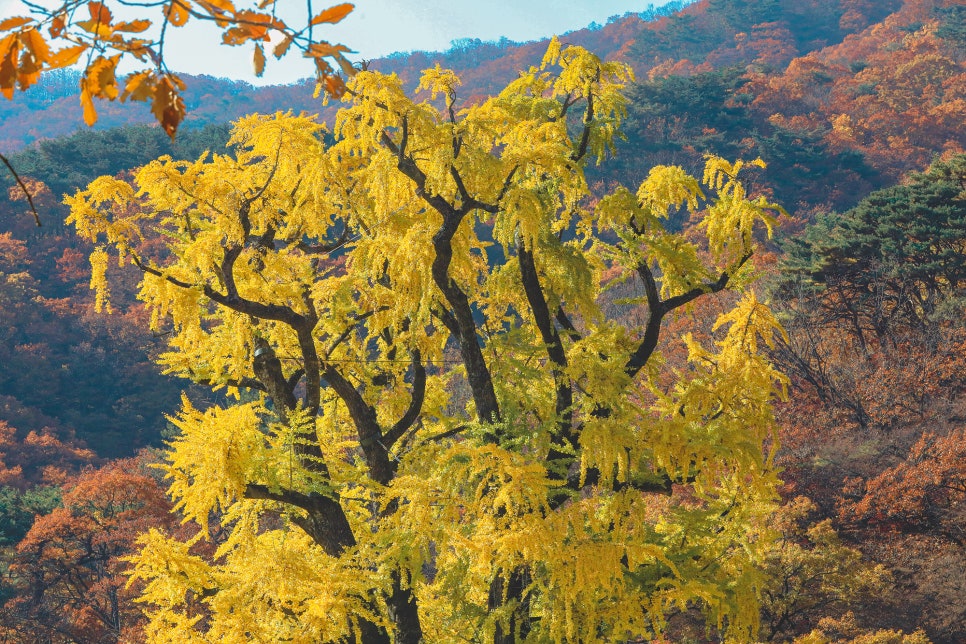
point(380, 27)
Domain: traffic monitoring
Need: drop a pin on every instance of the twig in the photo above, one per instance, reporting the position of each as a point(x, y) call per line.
point(23, 186)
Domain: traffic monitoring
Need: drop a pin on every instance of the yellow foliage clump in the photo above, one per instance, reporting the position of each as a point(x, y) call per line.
point(441, 431)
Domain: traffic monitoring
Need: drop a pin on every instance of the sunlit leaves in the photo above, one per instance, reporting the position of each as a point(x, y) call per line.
point(668, 187)
point(717, 415)
point(734, 211)
point(13, 23)
point(212, 459)
point(99, 259)
point(26, 52)
point(276, 586)
point(331, 254)
point(99, 23)
point(332, 14)
point(176, 13)
point(438, 80)
point(166, 104)
point(170, 573)
point(258, 60)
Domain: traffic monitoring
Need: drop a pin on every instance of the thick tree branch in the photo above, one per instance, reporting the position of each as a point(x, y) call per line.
point(239, 304)
point(325, 521)
point(415, 405)
point(293, 379)
point(465, 198)
point(264, 241)
point(478, 373)
point(312, 366)
point(569, 101)
point(658, 308)
point(494, 207)
point(268, 371)
point(459, 429)
point(564, 442)
point(381, 467)
point(581, 150)
point(408, 167)
point(229, 256)
point(446, 317)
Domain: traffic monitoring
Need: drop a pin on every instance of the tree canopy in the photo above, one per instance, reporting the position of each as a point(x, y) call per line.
point(440, 433)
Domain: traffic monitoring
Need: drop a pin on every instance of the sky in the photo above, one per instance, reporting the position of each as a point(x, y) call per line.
point(379, 27)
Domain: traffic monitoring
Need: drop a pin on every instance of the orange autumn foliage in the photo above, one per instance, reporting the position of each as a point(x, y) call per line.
point(68, 569)
point(38, 458)
point(59, 37)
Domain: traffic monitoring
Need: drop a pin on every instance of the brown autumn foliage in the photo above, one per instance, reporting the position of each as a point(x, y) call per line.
point(873, 433)
point(69, 379)
point(881, 455)
point(925, 492)
point(39, 458)
point(913, 516)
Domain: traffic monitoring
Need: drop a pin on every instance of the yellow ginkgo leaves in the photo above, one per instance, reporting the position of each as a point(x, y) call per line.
point(445, 432)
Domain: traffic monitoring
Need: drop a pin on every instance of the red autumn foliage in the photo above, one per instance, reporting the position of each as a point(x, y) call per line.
point(924, 493)
point(896, 92)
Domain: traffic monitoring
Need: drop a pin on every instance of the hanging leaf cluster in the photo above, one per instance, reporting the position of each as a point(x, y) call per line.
point(64, 35)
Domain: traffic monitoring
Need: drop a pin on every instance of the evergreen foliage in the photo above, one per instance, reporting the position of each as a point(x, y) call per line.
point(18, 508)
point(681, 119)
point(895, 261)
point(67, 163)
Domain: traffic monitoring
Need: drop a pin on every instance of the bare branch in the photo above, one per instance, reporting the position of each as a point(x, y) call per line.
point(242, 383)
point(23, 187)
point(362, 317)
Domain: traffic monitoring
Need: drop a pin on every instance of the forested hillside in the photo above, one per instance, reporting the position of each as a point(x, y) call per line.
point(732, 393)
point(847, 95)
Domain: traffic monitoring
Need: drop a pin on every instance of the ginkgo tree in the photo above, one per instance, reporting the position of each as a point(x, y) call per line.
point(448, 439)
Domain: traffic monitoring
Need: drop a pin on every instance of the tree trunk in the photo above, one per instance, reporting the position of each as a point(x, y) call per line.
point(404, 613)
point(510, 591)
